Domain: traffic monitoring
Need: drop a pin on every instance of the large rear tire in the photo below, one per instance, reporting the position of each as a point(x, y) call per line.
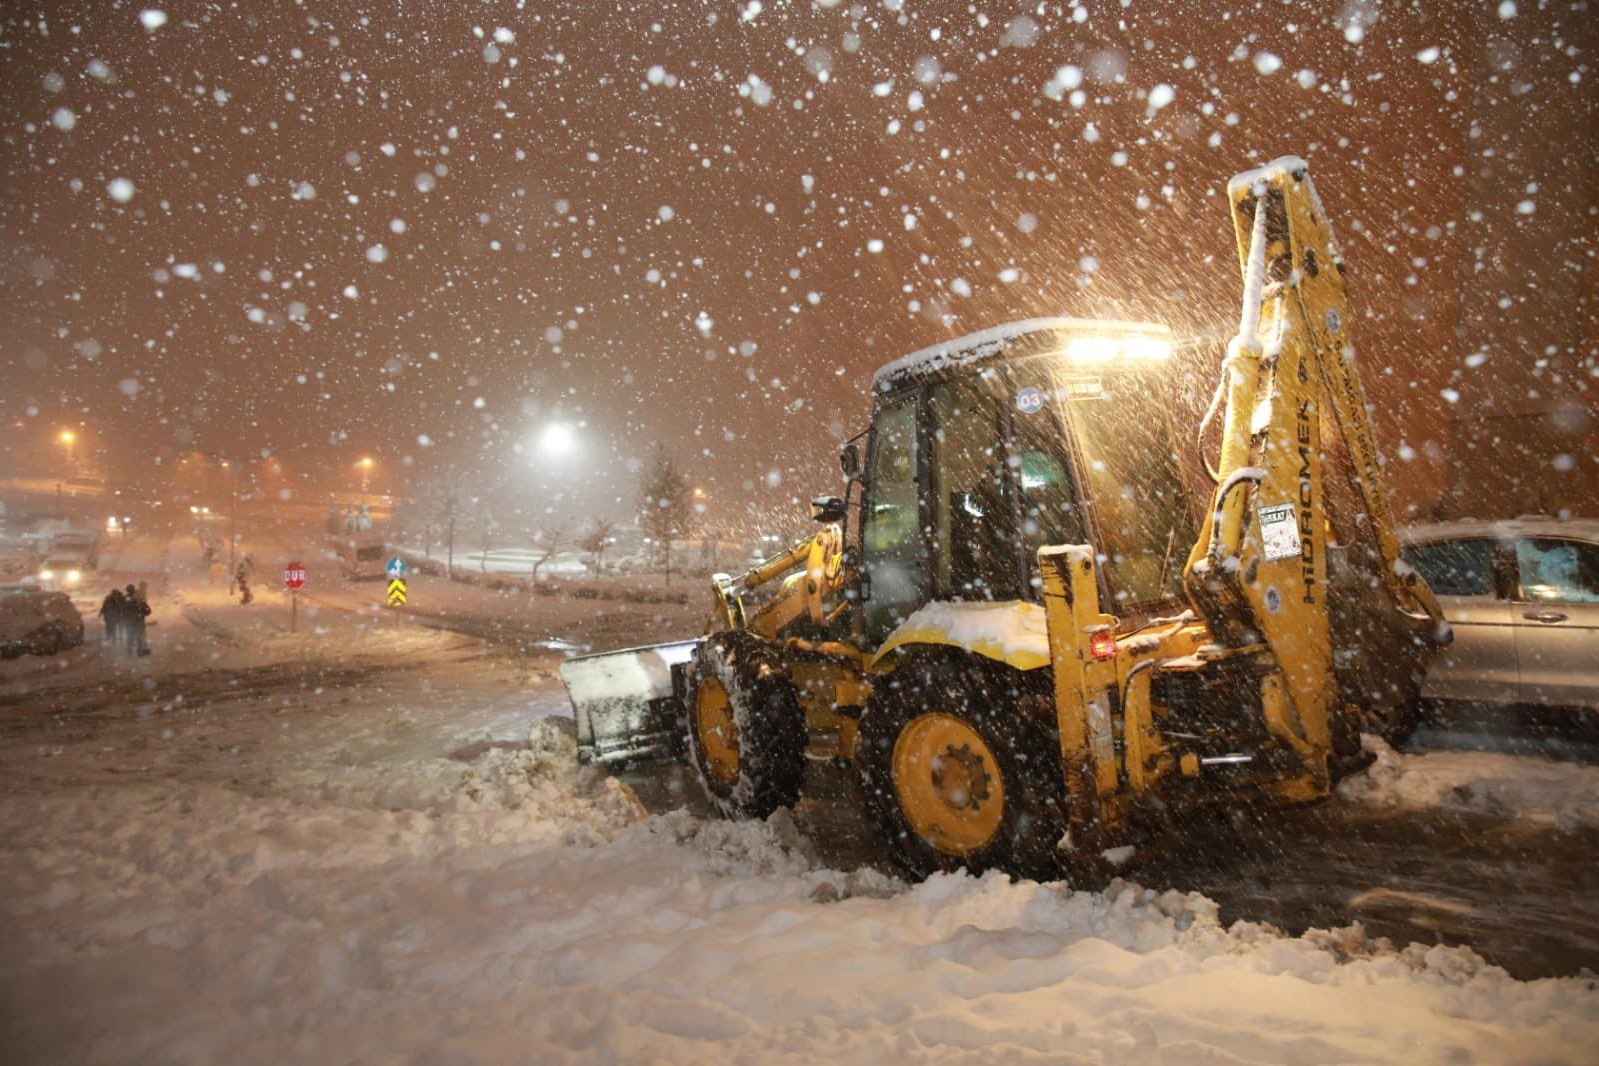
point(959, 761)
point(746, 728)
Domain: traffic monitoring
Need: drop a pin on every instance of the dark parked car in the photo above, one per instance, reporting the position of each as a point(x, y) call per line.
point(1523, 597)
point(37, 622)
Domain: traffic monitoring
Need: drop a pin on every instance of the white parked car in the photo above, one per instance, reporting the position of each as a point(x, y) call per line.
point(1523, 598)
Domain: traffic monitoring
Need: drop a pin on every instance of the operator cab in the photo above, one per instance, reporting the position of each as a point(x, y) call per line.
point(985, 448)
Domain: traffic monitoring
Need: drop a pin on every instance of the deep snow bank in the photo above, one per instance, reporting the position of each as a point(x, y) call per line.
point(515, 909)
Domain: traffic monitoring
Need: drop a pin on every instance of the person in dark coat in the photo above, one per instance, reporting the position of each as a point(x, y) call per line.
point(241, 577)
point(140, 615)
point(113, 612)
point(137, 609)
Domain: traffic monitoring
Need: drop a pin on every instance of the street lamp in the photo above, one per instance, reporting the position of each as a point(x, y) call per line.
point(233, 513)
point(557, 440)
point(366, 465)
point(70, 439)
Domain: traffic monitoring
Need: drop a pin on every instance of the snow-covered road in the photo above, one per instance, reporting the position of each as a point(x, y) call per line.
point(370, 841)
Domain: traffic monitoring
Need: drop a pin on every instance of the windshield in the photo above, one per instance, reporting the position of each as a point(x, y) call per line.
point(1131, 493)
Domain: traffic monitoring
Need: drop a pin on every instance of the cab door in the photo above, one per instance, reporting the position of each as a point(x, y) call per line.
point(1556, 611)
point(892, 540)
point(1481, 662)
point(974, 553)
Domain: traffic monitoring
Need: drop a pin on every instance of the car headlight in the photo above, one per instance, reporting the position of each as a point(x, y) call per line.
point(46, 575)
point(73, 575)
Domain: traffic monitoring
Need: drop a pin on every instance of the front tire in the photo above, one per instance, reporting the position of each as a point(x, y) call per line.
point(959, 761)
point(746, 728)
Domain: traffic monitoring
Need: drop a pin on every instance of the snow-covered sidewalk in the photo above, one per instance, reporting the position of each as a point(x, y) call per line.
point(511, 908)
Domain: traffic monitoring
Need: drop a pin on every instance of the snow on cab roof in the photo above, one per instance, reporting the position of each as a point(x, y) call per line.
point(1504, 529)
point(987, 342)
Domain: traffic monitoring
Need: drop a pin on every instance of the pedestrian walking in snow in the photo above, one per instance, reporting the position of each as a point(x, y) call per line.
point(241, 577)
point(113, 611)
point(136, 610)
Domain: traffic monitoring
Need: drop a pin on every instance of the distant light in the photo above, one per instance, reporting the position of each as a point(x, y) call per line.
point(67, 436)
point(111, 522)
point(366, 462)
point(557, 439)
point(193, 509)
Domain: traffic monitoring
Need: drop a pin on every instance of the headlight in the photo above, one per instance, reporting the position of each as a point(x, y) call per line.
point(1093, 349)
point(46, 575)
point(73, 576)
point(1102, 348)
point(1148, 347)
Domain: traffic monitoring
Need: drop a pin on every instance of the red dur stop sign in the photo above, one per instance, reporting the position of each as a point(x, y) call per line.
point(294, 575)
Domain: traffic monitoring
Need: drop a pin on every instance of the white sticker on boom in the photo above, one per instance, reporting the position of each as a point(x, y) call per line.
point(1279, 531)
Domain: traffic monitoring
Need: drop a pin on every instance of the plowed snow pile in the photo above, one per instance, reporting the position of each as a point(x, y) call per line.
point(517, 910)
point(1513, 786)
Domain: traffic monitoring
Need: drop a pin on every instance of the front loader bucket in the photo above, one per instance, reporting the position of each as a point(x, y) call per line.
point(627, 713)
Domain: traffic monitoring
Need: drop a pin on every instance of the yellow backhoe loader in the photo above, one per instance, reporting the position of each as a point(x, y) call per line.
point(1015, 627)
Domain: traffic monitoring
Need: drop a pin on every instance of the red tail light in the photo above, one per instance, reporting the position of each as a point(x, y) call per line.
point(1102, 645)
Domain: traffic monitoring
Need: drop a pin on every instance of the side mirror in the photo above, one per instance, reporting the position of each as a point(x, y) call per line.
point(849, 460)
point(828, 509)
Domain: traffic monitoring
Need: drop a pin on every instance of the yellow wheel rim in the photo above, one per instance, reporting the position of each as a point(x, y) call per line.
point(948, 784)
point(718, 732)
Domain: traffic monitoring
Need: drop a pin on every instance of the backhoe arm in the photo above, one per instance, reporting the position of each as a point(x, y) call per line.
point(1259, 571)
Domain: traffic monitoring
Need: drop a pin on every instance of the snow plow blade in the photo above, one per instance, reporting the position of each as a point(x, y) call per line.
point(627, 713)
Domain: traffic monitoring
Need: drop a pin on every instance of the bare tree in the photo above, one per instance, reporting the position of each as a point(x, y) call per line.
point(548, 542)
point(666, 507)
point(596, 541)
point(441, 500)
point(490, 530)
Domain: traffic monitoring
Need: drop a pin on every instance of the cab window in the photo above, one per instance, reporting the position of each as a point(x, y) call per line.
point(974, 524)
point(892, 541)
point(1047, 491)
point(1135, 507)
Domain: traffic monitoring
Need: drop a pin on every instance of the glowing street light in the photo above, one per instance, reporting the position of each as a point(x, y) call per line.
point(366, 464)
point(557, 440)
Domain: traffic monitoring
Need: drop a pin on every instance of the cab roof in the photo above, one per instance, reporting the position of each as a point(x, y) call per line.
point(988, 343)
